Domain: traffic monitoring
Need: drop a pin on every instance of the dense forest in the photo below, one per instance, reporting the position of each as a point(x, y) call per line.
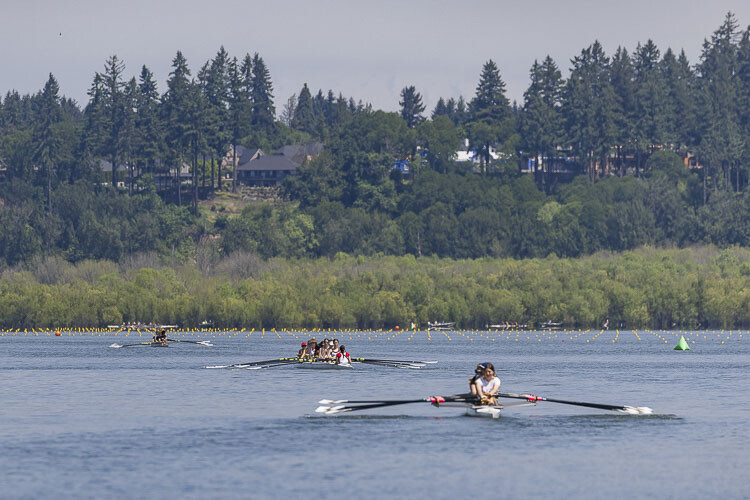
point(635, 149)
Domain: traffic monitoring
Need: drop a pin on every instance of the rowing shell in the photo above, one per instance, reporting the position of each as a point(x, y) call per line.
point(321, 365)
point(486, 411)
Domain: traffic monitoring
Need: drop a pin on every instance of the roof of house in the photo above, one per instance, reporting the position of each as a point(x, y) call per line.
point(284, 158)
point(245, 155)
point(269, 162)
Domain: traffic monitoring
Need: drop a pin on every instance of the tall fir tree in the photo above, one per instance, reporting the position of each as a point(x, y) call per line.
point(149, 130)
point(114, 115)
point(262, 96)
point(304, 115)
point(589, 108)
point(46, 137)
point(178, 126)
point(411, 106)
point(490, 103)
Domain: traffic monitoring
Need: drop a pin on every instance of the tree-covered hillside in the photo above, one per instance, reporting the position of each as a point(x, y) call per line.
point(638, 148)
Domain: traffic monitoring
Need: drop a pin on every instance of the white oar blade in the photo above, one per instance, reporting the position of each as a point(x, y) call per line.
point(205, 343)
point(217, 366)
point(331, 410)
point(115, 346)
point(332, 401)
point(637, 410)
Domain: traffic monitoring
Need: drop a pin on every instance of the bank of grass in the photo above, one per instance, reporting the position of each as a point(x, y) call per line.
point(657, 288)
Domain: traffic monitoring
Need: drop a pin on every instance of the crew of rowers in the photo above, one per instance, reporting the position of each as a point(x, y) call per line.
point(159, 337)
point(485, 384)
point(326, 350)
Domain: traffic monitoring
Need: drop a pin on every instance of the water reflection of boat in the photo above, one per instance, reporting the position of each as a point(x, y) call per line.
point(551, 325)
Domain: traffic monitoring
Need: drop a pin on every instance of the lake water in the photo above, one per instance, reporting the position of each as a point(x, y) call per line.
point(81, 420)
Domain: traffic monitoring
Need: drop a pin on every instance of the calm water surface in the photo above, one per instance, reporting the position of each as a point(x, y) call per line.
point(81, 420)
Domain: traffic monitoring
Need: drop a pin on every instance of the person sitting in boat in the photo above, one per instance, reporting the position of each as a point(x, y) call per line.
point(334, 348)
point(325, 349)
point(478, 372)
point(487, 385)
point(160, 337)
point(343, 358)
point(310, 348)
point(301, 352)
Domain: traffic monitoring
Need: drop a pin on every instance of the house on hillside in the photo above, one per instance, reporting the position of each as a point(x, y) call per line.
point(270, 169)
point(466, 154)
point(244, 155)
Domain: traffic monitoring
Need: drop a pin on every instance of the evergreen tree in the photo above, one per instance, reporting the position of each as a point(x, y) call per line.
point(490, 104)
point(651, 111)
point(411, 106)
point(721, 146)
point(589, 108)
point(149, 130)
point(46, 137)
point(262, 96)
point(240, 109)
point(440, 109)
point(113, 116)
point(217, 92)
point(622, 79)
point(680, 81)
point(176, 102)
point(541, 121)
point(304, 116)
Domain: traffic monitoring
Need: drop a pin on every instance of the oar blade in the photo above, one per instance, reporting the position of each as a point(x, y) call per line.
point(116, 346)
point(636, 410)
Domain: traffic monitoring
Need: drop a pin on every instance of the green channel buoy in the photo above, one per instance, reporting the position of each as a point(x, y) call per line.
point(682, 345)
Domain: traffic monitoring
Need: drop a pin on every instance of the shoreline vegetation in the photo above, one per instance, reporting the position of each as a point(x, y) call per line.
point(698, 287)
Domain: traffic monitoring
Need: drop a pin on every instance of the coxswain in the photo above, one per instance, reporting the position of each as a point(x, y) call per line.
point(487, 385)
point(301, 352)
point(342, 357)
point(161, 337)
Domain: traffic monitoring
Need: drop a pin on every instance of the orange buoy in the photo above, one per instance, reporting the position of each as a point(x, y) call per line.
point(57, 334)
point(396, 328)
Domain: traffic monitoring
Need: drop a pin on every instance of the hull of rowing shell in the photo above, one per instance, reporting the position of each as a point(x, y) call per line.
point(323, 366)
point(483, 411)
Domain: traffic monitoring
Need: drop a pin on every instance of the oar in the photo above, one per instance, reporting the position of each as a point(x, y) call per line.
point(258, 363)
point(365, 360)
point(413, 366)
point(199, 342)
point(117, 346)
point(630, 410)
point(367, 405)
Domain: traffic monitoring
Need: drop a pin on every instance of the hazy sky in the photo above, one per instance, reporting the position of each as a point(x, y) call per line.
point(366, 50)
